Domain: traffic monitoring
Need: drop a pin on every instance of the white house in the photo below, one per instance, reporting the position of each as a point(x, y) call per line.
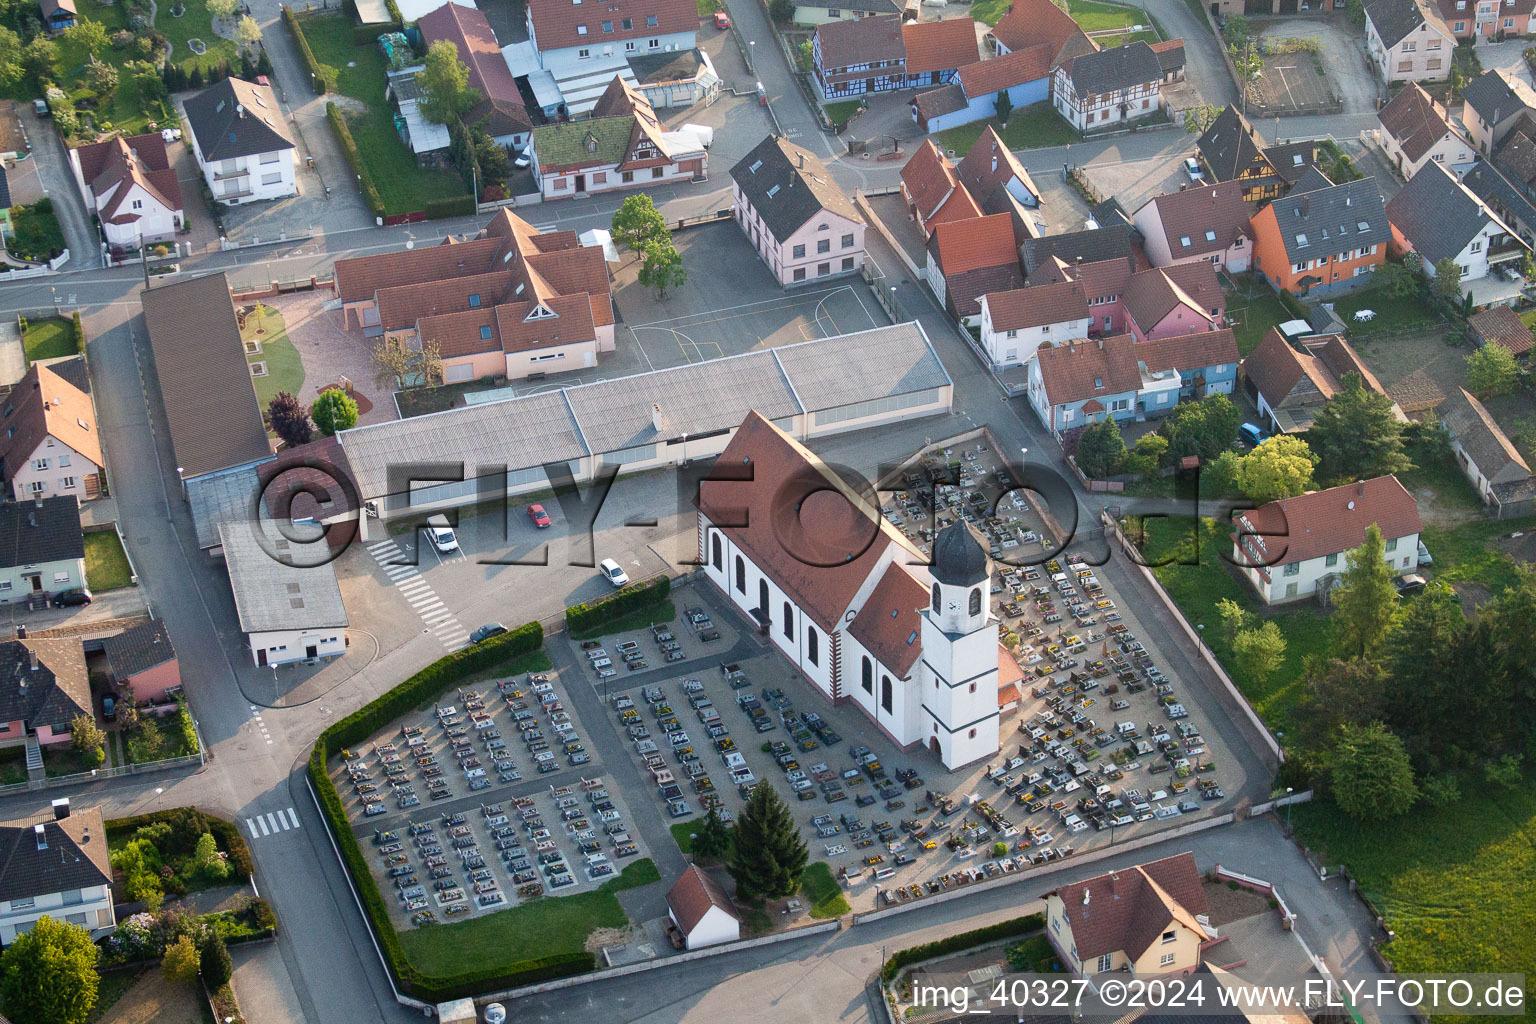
point(652, 44)
point(241, 142)
point(1096, 90)
point(1141, 919)
point(1492, 464)
point(286, 595)
point(51, 446)
point(1438, 217)
point(1408, 40)
point(131, 187)
point(1014, 324)
point(1492, 104)
point(701, 910)
point(1416, 130)
point(1292, 548)
point(55, 864)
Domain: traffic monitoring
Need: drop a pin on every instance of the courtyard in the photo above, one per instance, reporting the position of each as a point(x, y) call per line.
point(304, 350)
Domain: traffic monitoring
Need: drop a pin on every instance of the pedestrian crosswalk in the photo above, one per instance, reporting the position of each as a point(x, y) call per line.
point(262, 825)
point(419, 594)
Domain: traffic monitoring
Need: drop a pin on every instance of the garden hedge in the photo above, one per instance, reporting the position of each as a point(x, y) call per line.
point(79, 335)
point(364, 722)
point(354, 158)
point(323, 85)
point(452, 206)
point(224, 832)
point(581, 617)
point(961, 942)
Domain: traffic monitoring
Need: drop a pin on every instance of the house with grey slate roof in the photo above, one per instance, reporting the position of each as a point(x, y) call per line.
point(1439, 218)
point(143, 661)
point(1113, 86)
point(42, 548)
point(797, 218)
point(1492, 464)
point(55, 863)
point(241, 143)
point(1321, 237)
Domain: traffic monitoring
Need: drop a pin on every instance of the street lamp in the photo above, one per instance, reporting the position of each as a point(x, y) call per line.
point(1288, 791)
point(895, 308)
point(1200, 638)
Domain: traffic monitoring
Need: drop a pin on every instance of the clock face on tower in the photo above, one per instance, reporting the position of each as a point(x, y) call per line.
point(954, 606)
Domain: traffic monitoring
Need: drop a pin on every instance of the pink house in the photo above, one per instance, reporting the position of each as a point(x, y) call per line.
point(796, 217)
point(1162, 302)
point(143, 661)
point(43, 686)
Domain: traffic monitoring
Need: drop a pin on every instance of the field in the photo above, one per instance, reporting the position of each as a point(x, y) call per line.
point(1033, 127)
point(49, 339)
point(543, 927)
point(359, 74)
point(106, 564)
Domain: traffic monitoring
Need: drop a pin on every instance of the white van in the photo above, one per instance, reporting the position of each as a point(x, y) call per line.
point(442, 534)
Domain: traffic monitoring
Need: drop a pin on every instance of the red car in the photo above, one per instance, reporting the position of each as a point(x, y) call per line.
point(722, 21)
point(538, 515)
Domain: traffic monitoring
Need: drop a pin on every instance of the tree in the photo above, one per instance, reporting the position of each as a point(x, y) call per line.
point(1395, 279)
point(1492, 371)
point(247, 31)
point(1259, 652)
point(396, 365)
point(1457, 81)
point(139, 862)
point(663, 268)
point(1355, 11)
point(40, 57)
point(90, 36)
point(1205, 428)
point(1372, 778)
point(1366, 600)
point(334, 410)
point(1448, 279)
point(88, 739)
point(1280, 467)
point(1249, 67)
point(1100, 449)
point(1236, 30)
point(1357, 436)
point(1233, 618)
point(147, 77)
point(48, 974)
point(781, 11)
point(225, 9)
point(1198, 119)
point(768, 855)
point(490, 157)
point(1004, 106)
point(446, 92)
point(637, 223)
point(12, 66)
point(713, 840)
point(181, 961)
point(210, 862)
point(1147, 455)
point(1219, 477)
point(213, 960)
point(101, 76)
point(289, 419)
point(1340, 693)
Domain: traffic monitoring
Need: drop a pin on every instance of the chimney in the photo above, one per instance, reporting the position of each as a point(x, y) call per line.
point(32, 658)
point(61, 808)
point(21, 632)
point(801, 157)
point(42, 839)
point(1360, 488)
point(31, 518)
point(39, 502)
point(656, 415)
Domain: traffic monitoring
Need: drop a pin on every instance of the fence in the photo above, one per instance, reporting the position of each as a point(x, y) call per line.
point(96, 774)
point(23, 273)
point(225, 245)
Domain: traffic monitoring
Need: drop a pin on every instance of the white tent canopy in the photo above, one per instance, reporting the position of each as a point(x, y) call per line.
point(601, 237)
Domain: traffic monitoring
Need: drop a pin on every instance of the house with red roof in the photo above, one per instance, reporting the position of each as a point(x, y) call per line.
point(500, 111)
point(969, 258)
point(1032, 22)
point(1158, 302)
point(1025, 75)
point(930, 183)
point(1143, 919)
point(129, 184)
point(1484, 19)
point(701, 911)
point(1208, 224)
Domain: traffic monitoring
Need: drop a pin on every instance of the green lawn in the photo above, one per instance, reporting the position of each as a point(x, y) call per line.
point(990, 11)
point(13, 765)
point(402, 185)
point(541, 927)
point(1105, 42)
point(1033, 127)
point(196, 23)
point(1196, 588)
point(1443, 477)
point(1392, 313)
point(38, 235)
point(822, 891)
point(1254, 316)
point(49, 339)
point(1465, 555)
point(67, 760)
point(285, 370)
point(1098, 17)
point(640, 618)
point(106, 565)
point(683, 832)
point(841, 111)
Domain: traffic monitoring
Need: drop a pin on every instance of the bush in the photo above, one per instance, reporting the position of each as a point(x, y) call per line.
point(963, 941)
point(354, 158)
point(452, 206)
point(316, 71)
point(361, 724)
point(185, 822)
point(79, 335)
point(214, 961)
point(594, 613)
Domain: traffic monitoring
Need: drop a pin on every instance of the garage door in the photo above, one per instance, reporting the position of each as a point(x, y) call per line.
point(458, 373)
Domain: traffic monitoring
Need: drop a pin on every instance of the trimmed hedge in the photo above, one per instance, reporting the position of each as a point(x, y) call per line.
point(394, 13)
point(366, 721)
point(323, 85)
point(452, 206)
point(958, 943)
point(368, 35)
point(224, 832)
point(586, 616)
point(354, 158)
point(79, 335)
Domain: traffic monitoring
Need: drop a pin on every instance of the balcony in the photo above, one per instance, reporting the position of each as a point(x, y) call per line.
point(1507, 250)
point(240, 172)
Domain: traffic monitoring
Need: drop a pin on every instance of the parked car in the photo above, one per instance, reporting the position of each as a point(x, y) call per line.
point(722, 20)
point(538, 516)
point(524, 158)
point(1253, 434)
point(40, 108)
point(1409, 584)
point(1424, 556)
point(108, 707)
point(487, 631)
point(612, 573)
point(442, 534)
point(1192, 168)
point(72, 598)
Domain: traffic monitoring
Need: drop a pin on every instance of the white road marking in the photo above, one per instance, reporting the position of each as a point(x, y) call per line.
point(295, 816)
point(264, 831)
point(252, 826)
point(418, 593)
point(272, 822)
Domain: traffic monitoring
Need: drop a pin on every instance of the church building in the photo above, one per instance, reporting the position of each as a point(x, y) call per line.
point(850, 601)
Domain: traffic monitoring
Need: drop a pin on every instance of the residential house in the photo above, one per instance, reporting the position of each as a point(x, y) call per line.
point(1485, 20)
point(810, 13)
point(1152, 303)
point(969, 258)
point(1231, 150)
point(1511, 200)
point(1033, 22)
point(1296, 547)
point(55, 864)
point(937, 50)
point(1014, 324)
point(241, 142)
point(1025, 75)
point(510, 302)
point(143, 662)
point(621, 146)
point(1143, 919)
point(131, 187)
point(1202, 224)
point(1290, 382)
point(803, 226)
point(58, 15)
point(1492, 104)
point(995, 179)
point(930, 183)
point(1407, 41)
point(1502, 326)
point(1117, 377)
point(1492, 464)
point(43, 689)
point(290, 609)
point(1320, 237)
point(42, 548)
point(500, 112)
point(1113, 86)
point(881, 54)
point(1112, 241)
point(1416, 129)
point(1170, 57)
point(701, 911)
point(51, 446)
point(1439, 218)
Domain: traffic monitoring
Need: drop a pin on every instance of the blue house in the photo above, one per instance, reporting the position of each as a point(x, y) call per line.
point(58, 15)
point(972, 91)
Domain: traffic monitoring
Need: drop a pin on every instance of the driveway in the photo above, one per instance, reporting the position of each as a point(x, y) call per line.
point(51, 166)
